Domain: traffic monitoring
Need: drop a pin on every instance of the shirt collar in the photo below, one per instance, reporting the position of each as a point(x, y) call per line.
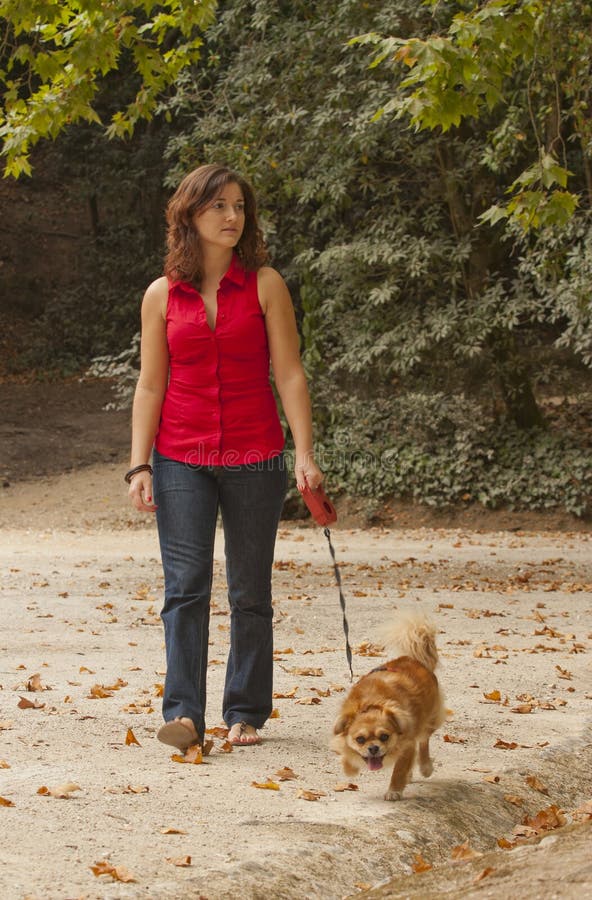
point(236, 273)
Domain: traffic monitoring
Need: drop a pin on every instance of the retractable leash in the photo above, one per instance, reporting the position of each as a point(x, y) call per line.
point(323, 512)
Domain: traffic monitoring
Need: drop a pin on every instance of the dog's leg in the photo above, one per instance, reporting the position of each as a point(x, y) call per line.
point(400, 776)
point(426, 766)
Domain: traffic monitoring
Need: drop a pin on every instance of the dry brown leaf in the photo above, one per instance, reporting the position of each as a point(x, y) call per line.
point(218, 732)
point(583, 813)
point(99, 692)
point(266, 785)
point(535, 783)
point(29, 704)
point(275, 713)
point(493, 695)
point(64, 792)
point(159, 689)
point(4, 764)
point(172, 831)
point(483, 874)
point(5, 802)
point(345, 786)
point(463, 852)
point(84, 669)
point(136, 789)
point(505, 844)
point(193, 756)
point(317, 673)
point(523, 709)
point(286, 774)
point(182, 861)
point(287, 695)
point(308, 701)
point(419, 864)
point(512, 798)
point(545, 820)
point(564, 673)
point(505, 745)
point(309, 795)
point(492, 779)
point(117, 873)
point(451, 739)
point(34, 683)
point(226, 747)
point(130, 738)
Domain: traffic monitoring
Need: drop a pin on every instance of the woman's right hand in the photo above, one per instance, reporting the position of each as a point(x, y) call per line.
point(140, 492)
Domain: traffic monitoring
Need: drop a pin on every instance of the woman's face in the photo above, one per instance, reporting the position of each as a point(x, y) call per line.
point(222, 222)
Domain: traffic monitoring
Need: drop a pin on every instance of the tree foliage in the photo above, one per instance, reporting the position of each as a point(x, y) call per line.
point(529, 58)
point(55, 56)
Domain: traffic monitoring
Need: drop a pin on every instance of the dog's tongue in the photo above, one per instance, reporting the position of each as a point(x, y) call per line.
point(374, 763)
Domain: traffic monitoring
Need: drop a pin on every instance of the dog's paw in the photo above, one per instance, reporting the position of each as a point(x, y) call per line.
point(393, 795)
point(426, 768)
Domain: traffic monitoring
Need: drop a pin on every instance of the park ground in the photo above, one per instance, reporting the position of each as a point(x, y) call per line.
point(86, 787)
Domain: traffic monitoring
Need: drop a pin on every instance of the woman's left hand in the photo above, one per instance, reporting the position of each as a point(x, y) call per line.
point(307, 472)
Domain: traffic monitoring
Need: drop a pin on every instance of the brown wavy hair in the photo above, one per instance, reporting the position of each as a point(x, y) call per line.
point(184, 261)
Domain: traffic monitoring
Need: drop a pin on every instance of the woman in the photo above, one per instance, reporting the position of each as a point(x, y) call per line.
point(205, 408)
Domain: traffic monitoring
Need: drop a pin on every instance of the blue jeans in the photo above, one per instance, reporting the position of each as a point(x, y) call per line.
point(250, 498)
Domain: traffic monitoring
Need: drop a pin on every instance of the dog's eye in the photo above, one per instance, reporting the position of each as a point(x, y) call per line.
point(361, 740)
point(383, 738)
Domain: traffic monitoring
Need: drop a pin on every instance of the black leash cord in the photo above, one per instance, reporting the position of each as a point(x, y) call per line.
point(348, 651)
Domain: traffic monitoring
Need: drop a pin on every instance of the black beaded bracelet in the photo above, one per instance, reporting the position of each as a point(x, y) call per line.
point(145, 467)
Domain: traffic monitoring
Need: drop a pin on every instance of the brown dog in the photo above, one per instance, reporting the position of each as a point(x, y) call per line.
point(394, 709)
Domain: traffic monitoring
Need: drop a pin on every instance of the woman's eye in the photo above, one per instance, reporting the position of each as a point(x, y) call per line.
point(218, 205)
point(240, 207)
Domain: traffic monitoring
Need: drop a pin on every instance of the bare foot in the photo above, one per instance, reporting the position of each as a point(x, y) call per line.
point(244, 734)
point(179, 733)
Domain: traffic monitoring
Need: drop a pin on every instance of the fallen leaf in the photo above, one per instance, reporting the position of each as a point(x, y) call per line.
point(309, 795)
point(117, 873)
point(4, 764)
point(63, 792)
point(130, 738)
point(266, 785)
point(34, 683)
point(84, 669)
point(419, 864)
point(492, 779)
point(308, 701)
point(505, 745)
point(172, 831)
point(5, 802)
point(505, 844)
point(493, 695)
point(317, 673)
point(463, 852)
point(182, 861)
point(483, 874)
point(535, 783)
point(512, 798)
point(286, 774)
point(523, 709)
point(218, 731)
point(288, 695)
point(274, 714)
point(136, 789)
point(450, 739)
point(29, 704)
point(345, 786)
point(193, 755)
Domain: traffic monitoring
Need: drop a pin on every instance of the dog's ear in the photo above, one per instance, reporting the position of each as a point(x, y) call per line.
point(395, 723)
point(342, 724)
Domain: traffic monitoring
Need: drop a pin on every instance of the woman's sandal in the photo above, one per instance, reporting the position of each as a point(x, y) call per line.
point(246, 737)
point(177, 734)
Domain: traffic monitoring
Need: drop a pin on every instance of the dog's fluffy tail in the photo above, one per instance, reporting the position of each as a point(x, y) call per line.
point(413, 635)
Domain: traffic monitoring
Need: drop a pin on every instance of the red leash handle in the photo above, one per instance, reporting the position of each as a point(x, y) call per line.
point(321, 508)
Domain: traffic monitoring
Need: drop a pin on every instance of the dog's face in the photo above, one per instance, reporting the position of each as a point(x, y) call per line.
point(372, 733)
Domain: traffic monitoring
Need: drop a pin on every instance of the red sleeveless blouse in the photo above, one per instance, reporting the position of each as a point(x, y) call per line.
point(219, 408)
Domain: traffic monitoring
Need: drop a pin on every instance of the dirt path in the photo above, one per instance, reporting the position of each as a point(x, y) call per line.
point(81, 586)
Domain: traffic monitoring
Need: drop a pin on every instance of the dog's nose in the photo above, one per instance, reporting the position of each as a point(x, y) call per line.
point(373, 749)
